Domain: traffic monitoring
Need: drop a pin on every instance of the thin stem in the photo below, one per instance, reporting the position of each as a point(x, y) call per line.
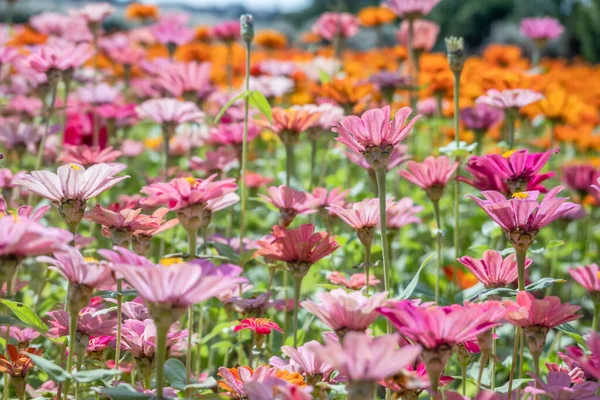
point(514, 361)
point(493, 369)
point(188, 356)
point(73, 317)
point(510, 121)
point(521, 260)
point(482, 362)
point(313, 162)
point(297, 292)
point(463, 369)
point(244, 161)
point(119, 321)
point(457, 184)
point(380, 175)
point(161, 354)
point(67, 83)
point(596, 315)
point(289, 163)
point(38, 301)
point(40, 154)
point(438, 269)
point(192, 240)
point(199, 343)
point(166, 137)
point(367, 265)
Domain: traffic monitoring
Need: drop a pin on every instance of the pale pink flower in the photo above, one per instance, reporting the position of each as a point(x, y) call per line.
point(331, 24)
point(20, 136)
point(97, 94)
point(272, 86)
point(361, 358)
point(509, 98)
point(330, 114)
point(335, 196)
point(79, 271)
point(255, 180)
point(169, 111)
point(131, 148)
point(587, 276)
point(90, 323)
point(23, 336)
point(433, 174)
point(402, 212)
point(492, 270)
point(170, 30)
point(93, 13)
point(558, 387)
point(227, 31)
point(343, 311)
point(215, 162)
point(290, 202)
point(61, 58)
point(304, 361)
point(49, 23)
point(8, 55)
point(232, 134)
point(425, 34)
point(373, 135)
point(543, 28)
point(136, 309)
point(363, 217)
point(548, 312)
point(86, 155)
point(190, 80)
point(356, 281)
point(29, 106)
point(411, 8)
point(138, 338)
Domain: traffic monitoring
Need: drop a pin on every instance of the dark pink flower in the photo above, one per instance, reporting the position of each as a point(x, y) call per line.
point(261, 326)
point(492, 270)
point(330, 25)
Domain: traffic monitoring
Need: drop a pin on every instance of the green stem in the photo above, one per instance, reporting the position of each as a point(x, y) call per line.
point(493, 369)
point(40, 154)
point(192, 240)
point(596, 315)
point(482, 362)
point(463, 369)
point(244, 161)
point(457, 186)
point(380, 174)
point(188, 356)
point(313, 162)
point(166, 137)
point(161, 354)
point(199, 344)
point(119, 322)
point(438, 269)
point(521, 260)
point(297, 291)
point(367, 265)
point(510, 121)
point(289, 163)
point(73, 317)
point(514, 361)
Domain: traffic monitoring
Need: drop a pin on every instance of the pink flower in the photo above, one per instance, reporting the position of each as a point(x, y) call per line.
point(23, 336)
point(169, 111)
point(523, 216)
point(191, 80)
point(590, 363)
point(492, 270)
point(587, 276)
point(356, 281)
point(433, 174)
point(86, 155)
point(331, 25)
point(78, 270)
point(215, 162)
point(509, 98)
point(89, 323)
point(227, 31)
point(597, 186)
point(330, 114)
point(290, 202)
point(260, 326)
point(49, 23)
point(170, 31)
point(361, 215)
point(373, 135)
point(342, 311)
point(361, 358)
point(304, 360)
point(139, 337)
point(25, 105)
point(576, 374)
point(559, 387)
point(302, 245)
point(403, 212)
point(548, 312)
point(398, 157)
point(481, 117)
point(255, 180)
point(580, 177)
point(93, 13)
point(20, 136)
point(288, 124)
point(272, 86)
point(425, 34)
point(61, 58)
point(334, 197)
point(411, 8)
point(22, 237)
point(232, 134)
point(544, 28)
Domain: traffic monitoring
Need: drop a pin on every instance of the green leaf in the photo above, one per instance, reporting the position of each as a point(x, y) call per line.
point(543, 284)
point(329, 286)
point(258, 100)
point(227, 251)
point(408, 291)
point(572, 333)
point(324, 77)
point(94, 375)
point(25, 314)
point(54, 371)
point(175, 373)
point(124, 392)
point(553, 244)
point(502, 292)
point(516, 384)
point(208, 383)
point(113, 294)
point(229, 104)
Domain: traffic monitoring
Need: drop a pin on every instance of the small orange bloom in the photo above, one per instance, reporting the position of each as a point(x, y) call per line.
point(271, 39)
point(464, 279)
point(202, 34)
point(309, 37)
point(141, 12)
point(503, 55)
point(198, 52)
point(347, 93)
point(19, 363)
point(375, 16)
point(28, 37)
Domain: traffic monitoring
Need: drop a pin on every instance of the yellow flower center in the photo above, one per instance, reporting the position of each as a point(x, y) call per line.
point(75, 167)
point(520, 195)
point(508, 153)
point(90, 260)
point(167, 262)
point(191, 180)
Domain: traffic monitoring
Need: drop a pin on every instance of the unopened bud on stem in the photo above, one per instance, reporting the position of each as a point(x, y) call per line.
point(247, 27)
point(456, 53)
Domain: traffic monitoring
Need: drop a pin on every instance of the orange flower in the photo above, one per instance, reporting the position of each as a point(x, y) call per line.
point(375, 16)
point(28, 37)
point(503, 55)
point(291, 377)
point(202, 34)
point(289, 123)
point(234, 378)
point(347, 93)
point(271, 39)
point(198, 52)
point(464, 279)
point(309, 37)
point(141, 12)
point(553, 106)
point(19, 363)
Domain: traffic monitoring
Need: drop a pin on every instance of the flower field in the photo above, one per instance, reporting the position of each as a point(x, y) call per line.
point(225, 212)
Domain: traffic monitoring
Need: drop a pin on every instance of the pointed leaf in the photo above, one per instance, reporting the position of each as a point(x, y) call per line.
point(516, 384)
point(258, 100)
point(175, 373)
point(543, 284)
point(25, 314)
point(94, 375)
point(408, 291)
point(124, 392)
point(502, 292)
point(54, 371)
point(229, 104)
point(208, 383)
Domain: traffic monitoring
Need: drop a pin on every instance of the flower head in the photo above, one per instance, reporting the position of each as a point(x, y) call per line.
point(425, 34)
point(433, 174)
point(492, 270)
point(481, 117)
point(304, 360)
point(169, 111)
point(331, 25)
point(403, 212)
point(290, 202)
point(86, 155)
point(548, 312)
point(235, 379)
point(289, 123)
point(261, 326)
point(559, 387)
point(541, 29)
point(509, 98)
point(411, 9)
point(19, 363)
point(356, 281)
point(587, 276)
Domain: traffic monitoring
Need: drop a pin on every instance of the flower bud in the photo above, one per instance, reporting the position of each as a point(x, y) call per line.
point(535, 336)
point(286, 216)
point(247, 28)
point(456, 53)
point(72, 211)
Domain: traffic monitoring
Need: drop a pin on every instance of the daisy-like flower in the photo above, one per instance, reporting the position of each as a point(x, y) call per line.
point(373, 135)
point(356, 281)
point(23, 336)
point(411, 9)
point(364, 361)
point(425, 34)
point(93, 13)
point(232, 134)
point(363, 217)
point(433, 174)
point(18, 365)
point(558, 386)
point(190, 80)
point(72, 186)
point(492, 270)
point(509, 99)
point(537, 317)
point(227, 31)
point(171, 112)
point(326, 198)
point(139, 339)
point(290, 202)
point(522, 216)
point(331, 25)
point(587, 276)
point(344, 312)
point(541, 29)
point(289, 123)
point(580, 177)
point(304, 360)
point(86, 155)
point(172, 32)
point(90, 323)
point(52, 60)
point(480, 117)
point(235, 379)
point(401, 213)
point(260, 326)
point(194, 200)
point(19, 136)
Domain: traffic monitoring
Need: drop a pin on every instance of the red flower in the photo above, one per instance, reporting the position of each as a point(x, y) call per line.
point(262, 326)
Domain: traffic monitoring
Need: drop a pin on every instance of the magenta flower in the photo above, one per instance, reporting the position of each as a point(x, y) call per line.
point(425, 34)
point(411, 9)
point(558, 387)
point(227, 31)
point(190, 80)
point(139, 338)
point(433, 174)
point(373, 135)
point(492, 270)
point(509, 98)
point(170, 111)
point(343, 312)
point(589, 363)
point(232, 134)
point(356, 281)
point(360, 358)
point(481, 117)
point(541, 29)
point(27, 106)
point(587, 276)
point(290, 202)
point(548, 312)
point(331, 25)
point(523, 216)
point(260, 326)
point(171, 31)
point(580, 177)
point(304, 360)
point(87, 156)
point(90, 323)
point(23, 336)
point(403, 212)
